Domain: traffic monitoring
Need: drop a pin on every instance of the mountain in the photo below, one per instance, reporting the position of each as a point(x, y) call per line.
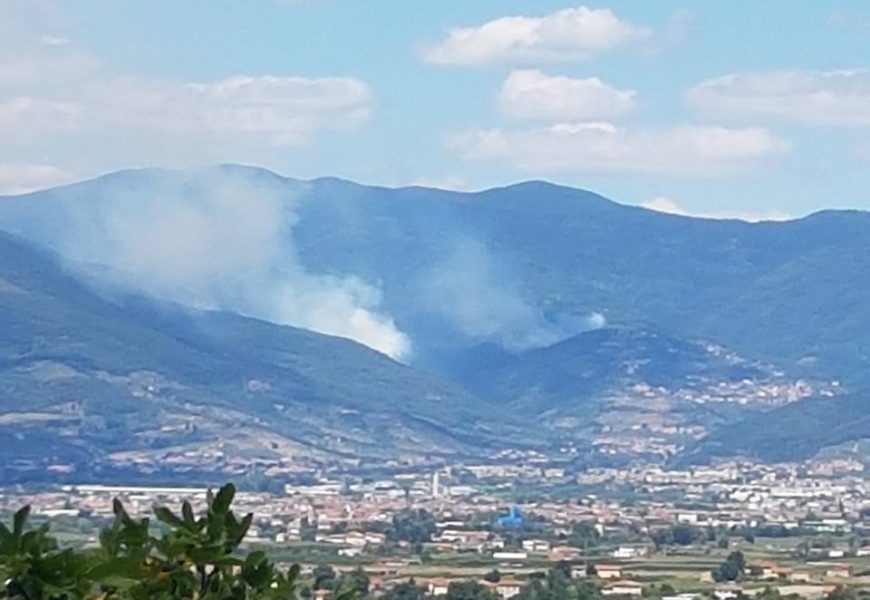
point(597, 323)
point(537, 257)
point(87, 379)
point(632, 392)
point(794, 432)
point(790, 291)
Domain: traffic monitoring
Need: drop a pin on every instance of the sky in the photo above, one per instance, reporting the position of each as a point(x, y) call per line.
point(756, 110)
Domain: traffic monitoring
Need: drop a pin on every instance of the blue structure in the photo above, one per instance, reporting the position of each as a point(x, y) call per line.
point(514, 518)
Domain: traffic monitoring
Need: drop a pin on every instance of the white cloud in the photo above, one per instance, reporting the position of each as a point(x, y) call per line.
point(566, 35)
point(20, 178)
point(531, 94)
point(666, 205)
point(26, 115)
point(52, 88)
point(33, 47)
point(836, 97)
point(277, 110)
point(603, 147)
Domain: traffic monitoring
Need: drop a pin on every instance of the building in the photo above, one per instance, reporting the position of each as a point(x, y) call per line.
point(438, 587)
point(629, 552)
point(840, 571)
point(537, 546)
point(623, 588)
point(728, 592)
point(768, 571)
point(505, 588)
point(608, 571)
point(507, 555)
point(800, 577)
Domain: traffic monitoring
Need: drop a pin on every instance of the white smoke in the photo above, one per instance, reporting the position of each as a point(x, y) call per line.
point(225, 242)
point(480, 296)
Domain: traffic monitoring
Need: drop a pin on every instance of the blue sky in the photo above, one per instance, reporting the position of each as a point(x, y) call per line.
point(754, 109)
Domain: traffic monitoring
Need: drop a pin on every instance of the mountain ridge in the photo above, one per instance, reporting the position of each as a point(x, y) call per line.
point(521, 184)
point(495, 278)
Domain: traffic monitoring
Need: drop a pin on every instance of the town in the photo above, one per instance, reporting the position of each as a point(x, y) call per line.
point(737, 528)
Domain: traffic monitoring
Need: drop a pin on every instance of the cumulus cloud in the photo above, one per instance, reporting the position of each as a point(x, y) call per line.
point(476, 294)
point(835, 97)
point(666, 205)
point(531, 94)
point(277, 110)
point(566, 35)
point(603, 147)
point(19, 178)
point(223, 241)
point(34, 49)
point(51, 86)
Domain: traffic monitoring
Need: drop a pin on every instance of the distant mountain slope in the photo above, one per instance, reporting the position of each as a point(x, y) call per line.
point(632, 392)
point(82, 376)
point(589, 364)
point(500, 291)
point(538, 256)
point(794, 432)
point(779, 291)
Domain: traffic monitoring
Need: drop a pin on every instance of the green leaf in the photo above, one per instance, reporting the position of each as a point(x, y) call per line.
point(187, 513)
point(20, 520)
point(224, 498)
point(206, 554)
point(165, 515)
point(125, 568)
point(120, 512)
point(241, 530)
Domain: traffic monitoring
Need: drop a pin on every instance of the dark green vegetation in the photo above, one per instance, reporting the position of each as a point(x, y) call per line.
point(187, 556)
point(497, 291)
point(733, 569)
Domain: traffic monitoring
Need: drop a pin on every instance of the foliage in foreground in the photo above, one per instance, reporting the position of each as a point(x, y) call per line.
point(192, 557)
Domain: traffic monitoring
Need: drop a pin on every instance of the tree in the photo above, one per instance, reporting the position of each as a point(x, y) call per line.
point(493, 576)
point(415, 526)
point(733, 569)
point(681, 535)
point(405, 591)
point(356, 581)
point(324, 577)
point(563, 567)
point(468, 590)
point(307, 530)
point(584, 534)
point(684, 535)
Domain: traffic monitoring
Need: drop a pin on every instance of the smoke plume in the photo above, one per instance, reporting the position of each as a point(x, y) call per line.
point(225, 241)
point(480, 296)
